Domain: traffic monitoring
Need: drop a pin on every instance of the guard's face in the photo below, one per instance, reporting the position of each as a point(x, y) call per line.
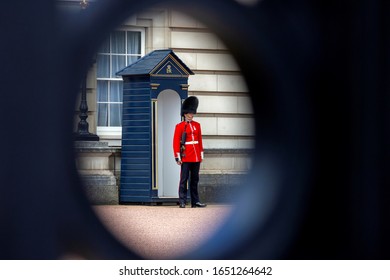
point(189, 116)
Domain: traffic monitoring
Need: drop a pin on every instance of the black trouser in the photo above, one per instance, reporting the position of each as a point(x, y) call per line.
point(189, 170)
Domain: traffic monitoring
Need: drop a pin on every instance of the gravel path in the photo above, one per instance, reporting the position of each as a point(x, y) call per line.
point(162, 232)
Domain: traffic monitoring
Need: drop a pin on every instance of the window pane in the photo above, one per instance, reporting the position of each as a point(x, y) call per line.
point(118, 42)
point(118, 63)
point(103, 66)
point(116, 91)
point(132, 59)
point(102, 114)
point(133, 42)
point(102, 91)
point(115, 114)
point(121, 49)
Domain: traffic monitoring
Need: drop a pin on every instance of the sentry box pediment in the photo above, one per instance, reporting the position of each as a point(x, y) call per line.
point(153, 90)
point(160, 62)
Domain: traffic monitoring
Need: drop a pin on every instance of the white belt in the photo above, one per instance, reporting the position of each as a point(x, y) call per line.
point(191, 142)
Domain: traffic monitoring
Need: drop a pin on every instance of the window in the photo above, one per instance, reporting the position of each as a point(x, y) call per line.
point(122, 48)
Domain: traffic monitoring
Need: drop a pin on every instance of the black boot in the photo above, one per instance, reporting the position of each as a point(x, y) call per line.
point(198, 204)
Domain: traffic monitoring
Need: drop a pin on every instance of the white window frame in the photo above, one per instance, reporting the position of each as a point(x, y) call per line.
point(115, 132)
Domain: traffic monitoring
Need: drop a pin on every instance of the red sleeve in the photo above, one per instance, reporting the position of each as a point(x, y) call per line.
point(200, 139)
point(176, 141)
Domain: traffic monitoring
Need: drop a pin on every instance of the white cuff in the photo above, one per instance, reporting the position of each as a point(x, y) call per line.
point(201, 155)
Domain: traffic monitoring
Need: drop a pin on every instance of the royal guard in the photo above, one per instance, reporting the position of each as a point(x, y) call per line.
point(188, 152)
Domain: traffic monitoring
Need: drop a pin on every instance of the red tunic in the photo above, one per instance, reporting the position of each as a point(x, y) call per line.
point(193, 146)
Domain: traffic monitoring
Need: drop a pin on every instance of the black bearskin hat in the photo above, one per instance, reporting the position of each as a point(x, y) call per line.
point(190, 105)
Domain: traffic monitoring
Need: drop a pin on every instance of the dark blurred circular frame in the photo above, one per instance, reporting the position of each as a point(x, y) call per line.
point(268, 212)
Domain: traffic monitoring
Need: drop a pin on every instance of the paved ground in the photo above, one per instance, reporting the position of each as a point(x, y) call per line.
point(160, 232)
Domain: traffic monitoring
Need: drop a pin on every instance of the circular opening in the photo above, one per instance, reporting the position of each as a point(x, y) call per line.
point(260, 197)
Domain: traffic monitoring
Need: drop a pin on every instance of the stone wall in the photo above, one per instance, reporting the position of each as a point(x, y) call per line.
point(95, 166)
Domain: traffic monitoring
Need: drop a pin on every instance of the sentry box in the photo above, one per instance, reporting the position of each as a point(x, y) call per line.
point(153, 90)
